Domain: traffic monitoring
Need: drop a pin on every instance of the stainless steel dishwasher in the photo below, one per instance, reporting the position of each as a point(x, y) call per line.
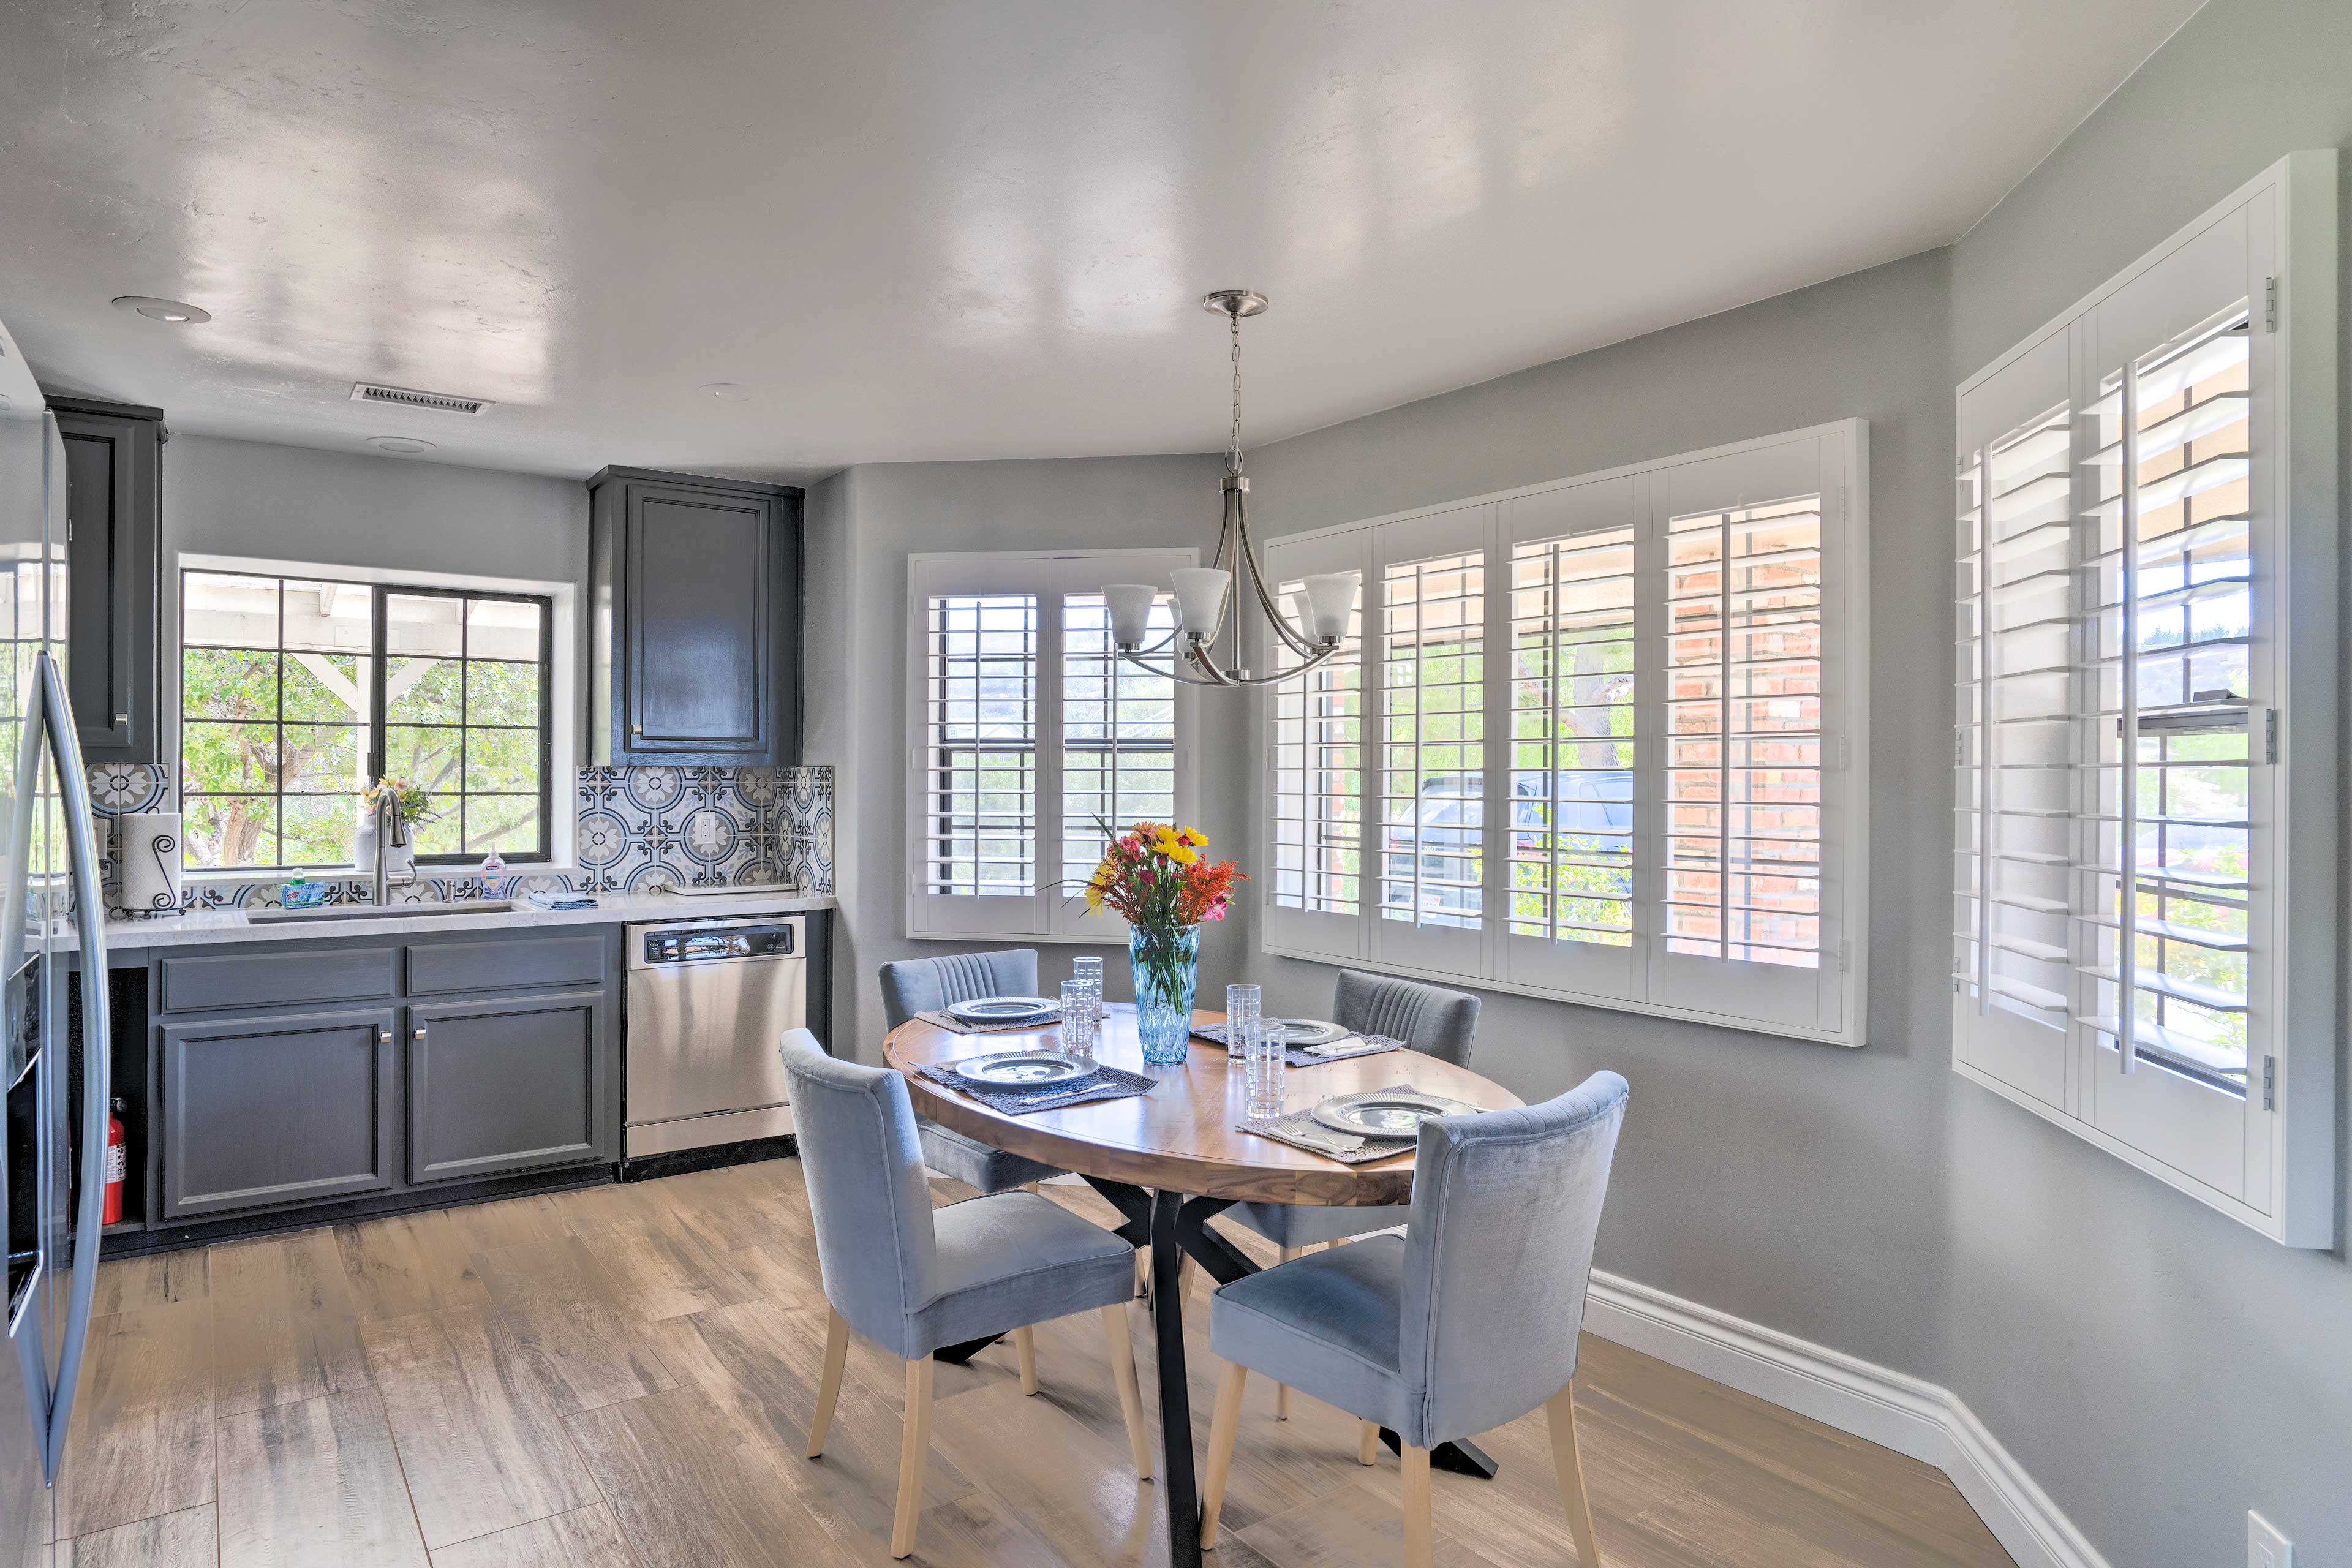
point(708, 1000)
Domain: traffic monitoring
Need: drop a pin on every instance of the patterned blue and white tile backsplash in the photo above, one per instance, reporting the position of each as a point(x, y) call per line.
point(638, 827)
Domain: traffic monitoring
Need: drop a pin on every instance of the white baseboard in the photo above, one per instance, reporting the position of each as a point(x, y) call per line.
point(1886, 1407)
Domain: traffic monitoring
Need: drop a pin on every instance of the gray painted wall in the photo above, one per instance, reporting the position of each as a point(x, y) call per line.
point(863, 525)
point(346, 509)
point(2156, 1367)
point(1792, 1183)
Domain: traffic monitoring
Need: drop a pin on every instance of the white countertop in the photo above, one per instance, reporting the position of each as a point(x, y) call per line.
point(218, 926)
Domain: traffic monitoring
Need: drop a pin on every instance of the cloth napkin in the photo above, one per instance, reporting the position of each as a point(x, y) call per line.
point(1298, 1056)
point(1019, 1100)
point(955, 1025)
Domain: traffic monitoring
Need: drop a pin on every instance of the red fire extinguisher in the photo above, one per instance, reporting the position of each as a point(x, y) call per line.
point(115, 1162)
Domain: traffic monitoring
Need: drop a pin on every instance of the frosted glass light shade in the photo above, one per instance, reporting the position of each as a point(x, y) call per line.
point(1130, 612)
point(1330, 598)
point(1200, 598)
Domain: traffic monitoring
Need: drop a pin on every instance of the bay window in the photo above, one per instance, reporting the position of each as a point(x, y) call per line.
point(1611, 740)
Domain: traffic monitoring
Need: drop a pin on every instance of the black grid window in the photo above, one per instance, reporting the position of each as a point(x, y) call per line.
point(297, 694)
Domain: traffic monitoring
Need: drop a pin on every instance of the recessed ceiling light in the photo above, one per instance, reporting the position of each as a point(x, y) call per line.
point(179, 313)
point(726, 391)
point(405, 445)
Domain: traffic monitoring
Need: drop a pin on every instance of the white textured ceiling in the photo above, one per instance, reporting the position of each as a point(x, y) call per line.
point(964, 229)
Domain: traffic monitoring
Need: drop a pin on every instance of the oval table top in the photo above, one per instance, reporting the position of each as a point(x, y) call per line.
point(1181, 1136)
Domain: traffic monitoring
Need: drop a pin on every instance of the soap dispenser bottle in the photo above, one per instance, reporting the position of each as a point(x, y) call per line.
point(494, 874)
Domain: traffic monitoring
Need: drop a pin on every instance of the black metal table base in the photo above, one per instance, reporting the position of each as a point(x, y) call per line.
point(1171, 1227)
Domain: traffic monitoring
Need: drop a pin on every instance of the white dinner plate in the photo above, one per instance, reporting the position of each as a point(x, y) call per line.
point(1386, 1112)
point(1001, 1009)
point(1308, 1031)
point(1025, 1069)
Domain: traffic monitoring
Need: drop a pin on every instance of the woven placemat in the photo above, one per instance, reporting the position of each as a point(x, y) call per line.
point(1019, 1100)
point(1298, 1056)
point(1301, 1131)
point(955, 1025)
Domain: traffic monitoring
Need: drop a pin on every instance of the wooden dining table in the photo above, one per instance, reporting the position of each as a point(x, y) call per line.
point(1173, 1159)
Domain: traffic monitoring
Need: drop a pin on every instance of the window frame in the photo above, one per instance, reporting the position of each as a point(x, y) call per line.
point(1051, 912)
point(378, 589)
point(2173, 1124)
point(1639, 497)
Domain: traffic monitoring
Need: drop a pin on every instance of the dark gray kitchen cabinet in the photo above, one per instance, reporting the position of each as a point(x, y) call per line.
point(114, 488)
point(694, 634)
point(290, 1109)
point(507, 1084)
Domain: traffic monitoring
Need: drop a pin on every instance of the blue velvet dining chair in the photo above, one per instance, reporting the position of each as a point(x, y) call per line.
point(1467, 1321)
point(930, 985)
point(911, 1279)
point(1429, 1019)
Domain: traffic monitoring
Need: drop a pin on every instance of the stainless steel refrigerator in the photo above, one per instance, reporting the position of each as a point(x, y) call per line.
point(52, 1159)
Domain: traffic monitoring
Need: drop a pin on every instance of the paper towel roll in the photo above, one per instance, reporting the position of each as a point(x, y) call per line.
point(150, 859)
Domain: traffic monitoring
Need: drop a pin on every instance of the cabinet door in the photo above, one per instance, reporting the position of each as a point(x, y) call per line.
point(113, 484)
point(518, 1083)
point(704, 619)
point(286, 1109)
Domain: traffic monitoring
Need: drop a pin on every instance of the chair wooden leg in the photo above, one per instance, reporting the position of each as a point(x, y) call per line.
point(1367, 1442)
point(1222, 1426)
point(828, 1389)
point(1560, 1414)
point(1142, 1268)
point(1420, 1546)
point(914, 1451)
point(1024, 1344)
point(1131, 1392)
point(1282, 1391)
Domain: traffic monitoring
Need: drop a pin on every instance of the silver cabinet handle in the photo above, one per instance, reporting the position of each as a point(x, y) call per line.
point(382, 1036)
point(420, 1031)
point(121, 720)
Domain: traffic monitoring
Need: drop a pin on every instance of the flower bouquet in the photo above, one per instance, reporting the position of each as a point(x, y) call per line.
point(1152, 876)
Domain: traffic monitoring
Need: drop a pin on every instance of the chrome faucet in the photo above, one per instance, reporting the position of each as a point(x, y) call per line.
point(391, 832)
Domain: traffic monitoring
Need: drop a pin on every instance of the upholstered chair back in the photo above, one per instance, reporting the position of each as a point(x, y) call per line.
point(1504, 1208)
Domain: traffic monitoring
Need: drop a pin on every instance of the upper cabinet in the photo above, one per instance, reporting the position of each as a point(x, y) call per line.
point(695, 621)
point(114, 491)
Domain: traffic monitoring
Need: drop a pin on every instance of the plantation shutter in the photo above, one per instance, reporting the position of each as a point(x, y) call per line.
point(1575, 700)
point(1317, 754)
point(1023, 729)
point(2129, 749)
point(1750, 555)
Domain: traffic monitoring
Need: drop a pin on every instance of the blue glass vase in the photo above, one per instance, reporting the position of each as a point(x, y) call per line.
point(1167, 967)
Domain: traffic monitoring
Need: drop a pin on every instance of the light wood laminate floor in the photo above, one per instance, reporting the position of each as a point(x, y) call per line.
point(621, 1377)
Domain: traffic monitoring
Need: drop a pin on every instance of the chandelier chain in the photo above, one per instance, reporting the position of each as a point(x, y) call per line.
point(1233, 451)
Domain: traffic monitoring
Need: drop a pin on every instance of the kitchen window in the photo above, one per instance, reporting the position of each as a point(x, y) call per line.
point(1600, 740)
point(297, 692)
point(2146, 709)
point(1026, 734)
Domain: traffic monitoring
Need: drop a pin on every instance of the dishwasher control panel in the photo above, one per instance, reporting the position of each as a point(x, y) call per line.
point(687, 945)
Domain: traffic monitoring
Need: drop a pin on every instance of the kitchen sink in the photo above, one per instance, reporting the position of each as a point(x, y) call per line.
point(372, 912)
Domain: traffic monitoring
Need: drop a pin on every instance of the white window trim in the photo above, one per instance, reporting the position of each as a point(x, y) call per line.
point(2305, 512)
point(563, 740)
point(1055, 913)
point(1357, 938)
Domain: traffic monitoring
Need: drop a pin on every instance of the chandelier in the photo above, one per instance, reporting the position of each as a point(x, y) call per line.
point(1207, 606)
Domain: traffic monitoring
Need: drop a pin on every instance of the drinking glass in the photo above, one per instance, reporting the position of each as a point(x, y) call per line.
point(1086, 971)
point(1269, 1062)
point(1078, 1023)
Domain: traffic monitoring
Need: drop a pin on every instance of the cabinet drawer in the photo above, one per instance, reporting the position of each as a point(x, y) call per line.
point(506, 965)
point(275, 979)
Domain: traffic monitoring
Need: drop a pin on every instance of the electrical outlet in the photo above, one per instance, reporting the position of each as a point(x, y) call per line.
point(2265, 1547)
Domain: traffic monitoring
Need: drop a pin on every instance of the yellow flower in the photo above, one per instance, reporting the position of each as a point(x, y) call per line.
point(1181, 856)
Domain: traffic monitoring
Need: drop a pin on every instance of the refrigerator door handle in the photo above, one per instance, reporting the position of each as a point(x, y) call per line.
point(97, 1056)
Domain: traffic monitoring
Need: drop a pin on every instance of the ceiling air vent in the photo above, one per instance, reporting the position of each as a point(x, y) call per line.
point(409, 398)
